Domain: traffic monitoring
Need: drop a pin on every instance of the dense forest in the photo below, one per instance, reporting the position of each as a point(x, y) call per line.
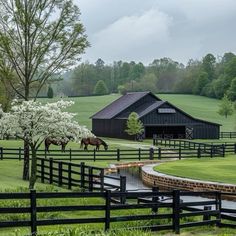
point(211, 77)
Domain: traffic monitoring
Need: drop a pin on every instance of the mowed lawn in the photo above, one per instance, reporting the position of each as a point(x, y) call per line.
point(211, 169)
point(197, 106)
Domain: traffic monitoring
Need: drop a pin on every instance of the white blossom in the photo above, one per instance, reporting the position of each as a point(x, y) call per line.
point(33, 122)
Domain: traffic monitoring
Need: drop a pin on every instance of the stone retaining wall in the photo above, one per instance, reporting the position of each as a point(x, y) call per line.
point(123, 165)
point(153, 178)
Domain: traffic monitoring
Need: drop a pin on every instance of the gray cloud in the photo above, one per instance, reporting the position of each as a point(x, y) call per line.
point(145, 30)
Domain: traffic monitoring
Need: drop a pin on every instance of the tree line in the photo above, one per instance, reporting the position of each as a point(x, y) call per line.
point(211, 76)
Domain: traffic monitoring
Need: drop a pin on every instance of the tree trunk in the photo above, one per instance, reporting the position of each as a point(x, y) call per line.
point(26, 161)
point(33, 173)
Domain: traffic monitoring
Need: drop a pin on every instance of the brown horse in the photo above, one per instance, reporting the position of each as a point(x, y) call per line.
point(93, 141)
point(52, 140)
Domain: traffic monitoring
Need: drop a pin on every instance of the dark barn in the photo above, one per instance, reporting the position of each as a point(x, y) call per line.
point(158, 117)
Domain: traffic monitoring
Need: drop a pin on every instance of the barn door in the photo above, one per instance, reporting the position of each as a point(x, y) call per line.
point(189, 133)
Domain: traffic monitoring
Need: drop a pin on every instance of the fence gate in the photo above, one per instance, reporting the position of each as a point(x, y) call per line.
point(189, 133)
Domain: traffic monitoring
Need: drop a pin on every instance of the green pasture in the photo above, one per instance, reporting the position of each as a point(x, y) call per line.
point(197, 106)
point(11, 182)
point(209, 169)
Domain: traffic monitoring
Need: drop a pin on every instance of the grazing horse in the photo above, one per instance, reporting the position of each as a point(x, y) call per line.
point(52, 140)
point(93, 141)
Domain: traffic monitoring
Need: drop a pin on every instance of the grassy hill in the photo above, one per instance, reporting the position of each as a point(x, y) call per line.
point(197, 106)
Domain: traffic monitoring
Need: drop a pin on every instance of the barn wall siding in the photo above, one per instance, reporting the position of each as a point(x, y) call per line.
point(109, 128)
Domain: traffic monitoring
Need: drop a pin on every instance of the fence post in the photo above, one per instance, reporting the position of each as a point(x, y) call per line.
point(179, 152)
point(90, 178)
point(155, 199)
point(218, 206)
point(50, 170)
point(235, 148)
point(211, 151)
point(159, 153)
point(176, 211)
point(151, 153)
point(1, 153)
point(19, 153)
point(102, 180)
point(223, 150)
point(69, 176)
point(199, 152)
point(70, 154)
point(139, 154)
point(108, 210)
point(122, 189)
point(82, 183)
point(33, 212)
point(59, 173)
point(207, 216)
point(94, 154)
point(118, 154)
point(42, 170)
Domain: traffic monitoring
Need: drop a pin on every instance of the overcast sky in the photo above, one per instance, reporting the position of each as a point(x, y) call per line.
point(143, 30)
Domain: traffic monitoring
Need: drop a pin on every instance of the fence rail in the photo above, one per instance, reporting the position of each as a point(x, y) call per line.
point(166, 210)
point(228, 134)
point(68, 174)
point(175, 150)
point(216, 149)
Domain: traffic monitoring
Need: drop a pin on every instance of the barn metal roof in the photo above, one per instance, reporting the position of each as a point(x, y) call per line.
point(120, 105)
point(142, 110)
point(116, 109)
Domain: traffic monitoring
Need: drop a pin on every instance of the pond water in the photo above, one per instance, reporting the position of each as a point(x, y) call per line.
point(134, 183)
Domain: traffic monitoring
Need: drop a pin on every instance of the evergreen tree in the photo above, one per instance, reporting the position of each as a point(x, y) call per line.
point(50, 92)
point(134, 125)
point(100, 88)
point(226, 107)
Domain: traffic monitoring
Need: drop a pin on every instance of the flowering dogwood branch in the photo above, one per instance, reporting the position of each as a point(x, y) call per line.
point(33, 122)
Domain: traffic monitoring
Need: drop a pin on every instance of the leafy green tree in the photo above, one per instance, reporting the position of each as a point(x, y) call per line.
point(37, 40)
point(100, 88)
point(232, 90)
point(134, 125)
point(208, 65)
point(122, 89)
point(225, 107)
point(201, 82)
point(50, 92)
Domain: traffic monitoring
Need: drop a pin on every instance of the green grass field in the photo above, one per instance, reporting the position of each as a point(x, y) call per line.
point(200, 107)
point(211, 169)
point(197, 106)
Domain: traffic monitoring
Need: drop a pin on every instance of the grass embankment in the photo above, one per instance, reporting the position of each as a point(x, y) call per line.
point(211, 169)
point(197, 106)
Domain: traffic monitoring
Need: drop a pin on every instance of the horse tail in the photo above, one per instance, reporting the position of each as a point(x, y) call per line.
point(46, 144)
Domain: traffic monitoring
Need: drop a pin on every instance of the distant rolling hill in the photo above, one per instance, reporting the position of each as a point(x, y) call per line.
point(197, 106)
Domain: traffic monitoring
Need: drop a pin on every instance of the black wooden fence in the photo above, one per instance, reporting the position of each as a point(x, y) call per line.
point(152, 209)
point(207, 148)
point(68, 174)
point(228, 134)
point(177, 151)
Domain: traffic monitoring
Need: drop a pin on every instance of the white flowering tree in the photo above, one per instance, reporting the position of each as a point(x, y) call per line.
point(33, 122)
